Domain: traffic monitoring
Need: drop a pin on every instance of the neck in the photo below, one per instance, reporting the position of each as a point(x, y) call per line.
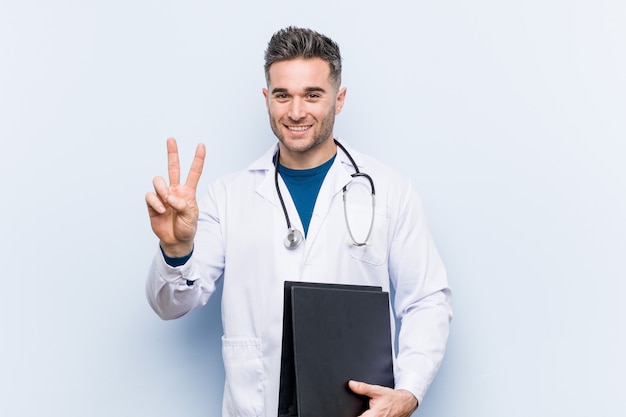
point(307, 159)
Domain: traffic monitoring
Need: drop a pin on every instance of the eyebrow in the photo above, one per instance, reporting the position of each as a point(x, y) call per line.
point(314, 90)
point(306, 90)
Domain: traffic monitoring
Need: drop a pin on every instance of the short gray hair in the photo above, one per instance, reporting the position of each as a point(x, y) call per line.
point(292, 42)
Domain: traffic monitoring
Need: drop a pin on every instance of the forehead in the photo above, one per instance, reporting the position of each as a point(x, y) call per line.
point(299, 73)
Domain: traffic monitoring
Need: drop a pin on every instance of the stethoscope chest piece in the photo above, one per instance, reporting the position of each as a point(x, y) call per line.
point(293, 239)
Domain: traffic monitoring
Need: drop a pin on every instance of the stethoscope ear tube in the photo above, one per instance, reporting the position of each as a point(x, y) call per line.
point(345, 212)
point(364, 175)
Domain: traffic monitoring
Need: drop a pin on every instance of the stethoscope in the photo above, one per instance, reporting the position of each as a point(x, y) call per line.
point(294, 236)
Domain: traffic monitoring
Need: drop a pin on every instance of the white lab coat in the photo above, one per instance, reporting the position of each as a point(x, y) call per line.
point(240, 237)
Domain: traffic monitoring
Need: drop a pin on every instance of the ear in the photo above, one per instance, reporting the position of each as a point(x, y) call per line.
point(266, 94)
point(339, 100)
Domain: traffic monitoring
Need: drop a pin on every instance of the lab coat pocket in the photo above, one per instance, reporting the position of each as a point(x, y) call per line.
point(244, 389)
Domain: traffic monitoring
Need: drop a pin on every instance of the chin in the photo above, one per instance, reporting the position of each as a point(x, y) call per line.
point(298, 144)
point(297, 147)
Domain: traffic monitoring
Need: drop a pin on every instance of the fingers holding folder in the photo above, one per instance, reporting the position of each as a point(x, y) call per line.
point(385, 401)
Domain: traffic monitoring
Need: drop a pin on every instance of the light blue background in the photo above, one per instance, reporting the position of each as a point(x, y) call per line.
point(508, 116)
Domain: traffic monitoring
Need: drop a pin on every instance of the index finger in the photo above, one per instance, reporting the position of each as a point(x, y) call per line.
point(173, 164)
point(196, 167)
point(366, 389)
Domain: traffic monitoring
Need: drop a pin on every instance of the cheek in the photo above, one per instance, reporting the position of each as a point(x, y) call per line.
point(275, 111)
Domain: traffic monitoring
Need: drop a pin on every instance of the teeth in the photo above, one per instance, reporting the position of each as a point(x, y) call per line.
point(298, 128)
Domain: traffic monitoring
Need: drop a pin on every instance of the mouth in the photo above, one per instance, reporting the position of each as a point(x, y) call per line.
point(298, 129)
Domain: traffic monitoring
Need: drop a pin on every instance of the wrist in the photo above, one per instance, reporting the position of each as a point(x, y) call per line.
point(176, 261)
point(178, 250)
point(410, 399)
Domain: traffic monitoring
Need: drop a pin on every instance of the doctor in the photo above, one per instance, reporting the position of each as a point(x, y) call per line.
point(284, 218)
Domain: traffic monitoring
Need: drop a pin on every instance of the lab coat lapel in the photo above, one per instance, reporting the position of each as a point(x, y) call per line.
point(337, 177)
point(267, 188)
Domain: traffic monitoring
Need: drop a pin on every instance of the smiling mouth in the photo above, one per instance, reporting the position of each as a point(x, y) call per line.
point(299, 128)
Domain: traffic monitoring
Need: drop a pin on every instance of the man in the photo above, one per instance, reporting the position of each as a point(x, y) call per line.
point(239, 233)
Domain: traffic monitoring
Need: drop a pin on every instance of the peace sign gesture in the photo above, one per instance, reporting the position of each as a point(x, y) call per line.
point(172, 208)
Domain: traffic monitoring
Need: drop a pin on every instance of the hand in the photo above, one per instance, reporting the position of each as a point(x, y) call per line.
point(385, 402)
point(172, 208)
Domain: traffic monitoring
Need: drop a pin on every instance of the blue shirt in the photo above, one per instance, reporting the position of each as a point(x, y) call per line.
point(304, 186)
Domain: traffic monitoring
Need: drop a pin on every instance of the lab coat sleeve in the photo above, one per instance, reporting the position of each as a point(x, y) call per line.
point(422, 298)
point(174, 291)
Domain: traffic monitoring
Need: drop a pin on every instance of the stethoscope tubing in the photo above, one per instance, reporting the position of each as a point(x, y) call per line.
point(294, 236)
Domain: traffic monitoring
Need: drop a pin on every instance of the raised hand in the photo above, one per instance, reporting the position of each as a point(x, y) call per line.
point(173, 208)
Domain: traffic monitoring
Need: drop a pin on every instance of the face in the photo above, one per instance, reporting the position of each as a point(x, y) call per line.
point(302, 104)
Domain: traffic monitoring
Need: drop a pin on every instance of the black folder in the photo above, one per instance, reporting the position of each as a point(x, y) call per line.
point(332, 333)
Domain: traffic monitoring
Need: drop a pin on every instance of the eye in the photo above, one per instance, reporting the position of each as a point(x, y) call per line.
point(281, 96)
point(313, 96)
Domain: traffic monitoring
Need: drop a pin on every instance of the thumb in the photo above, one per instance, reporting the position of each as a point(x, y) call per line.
point(364, 389)
point(177, 203)
point(180, 205)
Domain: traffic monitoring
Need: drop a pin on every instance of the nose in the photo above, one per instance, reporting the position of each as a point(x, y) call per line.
point(297, 109)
